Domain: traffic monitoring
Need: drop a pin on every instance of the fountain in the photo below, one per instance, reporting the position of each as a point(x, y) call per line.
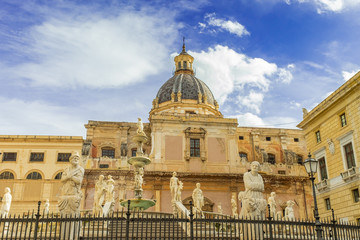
point(139, 161)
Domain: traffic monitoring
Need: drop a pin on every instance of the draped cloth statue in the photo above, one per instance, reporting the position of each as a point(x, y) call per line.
point(46, 207)
point(99, 196)
point(289, 211)
point(254, 204)
point(233, 206)
point(6, 203)
point(109, 196)
point(272, 203)
point(70, 198)
point(198, 198)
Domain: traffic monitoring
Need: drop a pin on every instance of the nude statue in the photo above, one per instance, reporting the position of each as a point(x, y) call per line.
point(140, 127)
point(110, 189)
point(254, 204)
point(272, 203)
point(46, 207)
point(139, 178)
point(99, 196)
point(198, 198)
point(70, 197)
point(6, 203)
point(289, 211)
point(178, 192)
point(174, 184)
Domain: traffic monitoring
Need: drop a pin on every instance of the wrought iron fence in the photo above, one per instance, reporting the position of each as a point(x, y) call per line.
point(128, 225)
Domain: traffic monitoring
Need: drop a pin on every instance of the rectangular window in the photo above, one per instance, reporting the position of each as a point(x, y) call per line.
point(327, 204)
point(343, 120)
point(268, 138)
point(194, 147)
point(9, 156)
point(104, 166)
point(271, 158)
point(133, 152)
point(355, 194)
point(322, 168)
point(108, 152)
point(282, 172)
point(36, 157)
point(241, 137)
point(349, 155)
point(63, 157)
point(318, 138)
point(243, 155)
point(296, 140)
point(299, 159)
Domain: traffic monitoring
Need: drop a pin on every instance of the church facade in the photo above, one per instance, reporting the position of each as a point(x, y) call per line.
point(187, 134)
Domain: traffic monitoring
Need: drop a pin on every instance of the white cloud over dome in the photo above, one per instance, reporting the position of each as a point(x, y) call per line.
point(323, 6)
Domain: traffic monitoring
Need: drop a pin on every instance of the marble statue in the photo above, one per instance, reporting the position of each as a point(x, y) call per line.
point(6, 203)
point(254, 204)
point(241, 197)
point(99, 195)
point(139, 178)
point(219, 207)
point(178, 192)
point(331, 146)
point(70, 197)
point(289, 211)
point(305, 112)
point(272, 203)
point(198, 198)
point(174, 185)
point(140, 127)
point(46, 207)
point(109, 196)
point(233, 206)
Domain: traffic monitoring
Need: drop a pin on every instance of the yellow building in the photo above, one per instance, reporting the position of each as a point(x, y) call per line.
point(332, 133)
point(187, 134)
point(32, 165)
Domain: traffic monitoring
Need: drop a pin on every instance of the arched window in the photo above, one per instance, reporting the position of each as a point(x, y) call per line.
point(58, 176)
point(108, 152)
point(243, 155)
point(6, 175)
point(34, 176)
point(185, 64)
point(271, 158)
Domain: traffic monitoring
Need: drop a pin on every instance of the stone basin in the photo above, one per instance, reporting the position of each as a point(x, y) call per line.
point(139, 161)
point(138, 204)
point(140, 138)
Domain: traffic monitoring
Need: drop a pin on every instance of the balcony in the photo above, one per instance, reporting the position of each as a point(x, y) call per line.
point(350, 174)
point(323, 185)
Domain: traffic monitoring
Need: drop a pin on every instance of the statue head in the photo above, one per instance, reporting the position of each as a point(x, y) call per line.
point(255, 166)
point(101, 177)
point(139, 119)
point(290, 203)
point(75, 158)
point(273, 194)
point(198, 185)
point(174, 174)
point(7, 190)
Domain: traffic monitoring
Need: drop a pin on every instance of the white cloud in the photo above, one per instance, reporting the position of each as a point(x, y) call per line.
point(96, 51)
point(323, 6)
point(249, 119)
point(233, 27)
point(38, 118)
point(285, 74)
point(347, 75)
point(228, 72)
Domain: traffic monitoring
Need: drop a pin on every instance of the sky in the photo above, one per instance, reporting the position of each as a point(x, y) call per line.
point(63, 63)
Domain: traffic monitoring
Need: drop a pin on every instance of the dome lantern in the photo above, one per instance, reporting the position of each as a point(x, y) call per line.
point(183, 62)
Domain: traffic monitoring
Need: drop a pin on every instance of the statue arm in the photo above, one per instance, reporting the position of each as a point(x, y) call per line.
point(251, 185)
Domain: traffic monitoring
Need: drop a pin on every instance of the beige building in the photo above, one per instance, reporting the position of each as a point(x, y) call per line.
point(187, 134)
point(332, 133)
point(31, 166)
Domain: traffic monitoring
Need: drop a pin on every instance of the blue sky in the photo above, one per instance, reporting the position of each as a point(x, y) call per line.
point(63, 63)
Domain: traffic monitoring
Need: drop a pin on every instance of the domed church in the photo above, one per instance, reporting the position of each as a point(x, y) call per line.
point(187, 134)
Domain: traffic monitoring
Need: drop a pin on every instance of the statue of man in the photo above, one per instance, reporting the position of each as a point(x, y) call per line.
point(254, 204)
point(174, 184)
point(219, 207)
point(99, 195)
point(6, 203)
point(69, 203)
point(272, 203)
point(139, 178)
point(289, 211)
point(110, 189)
point(198, 198)
point(233, 206)
point(178, 192)
point(140, 127)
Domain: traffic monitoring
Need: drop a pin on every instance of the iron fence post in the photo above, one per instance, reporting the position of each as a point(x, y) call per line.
point(270, 227)
point(191, 222)
point(37, 215)
point(334, 224)
point(128, 221)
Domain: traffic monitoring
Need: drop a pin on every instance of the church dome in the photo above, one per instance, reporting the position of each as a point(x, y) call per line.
point(189, 86)
point(184, 93)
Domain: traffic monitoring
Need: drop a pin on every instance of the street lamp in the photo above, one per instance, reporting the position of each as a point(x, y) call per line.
point(311, 168)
